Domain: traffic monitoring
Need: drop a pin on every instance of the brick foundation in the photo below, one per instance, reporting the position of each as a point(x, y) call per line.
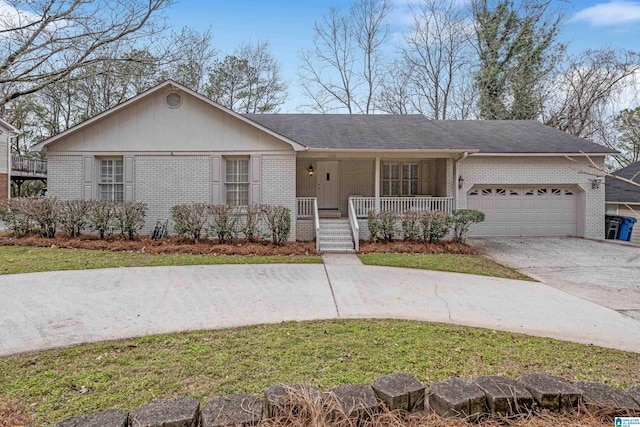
point(4, 186)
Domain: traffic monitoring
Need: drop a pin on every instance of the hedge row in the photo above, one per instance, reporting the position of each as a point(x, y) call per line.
point(430, 226)
point(225, 222)
point(29, 215)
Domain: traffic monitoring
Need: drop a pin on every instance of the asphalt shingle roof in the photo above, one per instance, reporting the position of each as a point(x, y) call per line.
point(388, 132)
point(621, 192)
point(359, 131)
point(518, 136)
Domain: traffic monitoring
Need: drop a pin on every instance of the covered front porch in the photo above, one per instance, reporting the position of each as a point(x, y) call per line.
point(342, 188)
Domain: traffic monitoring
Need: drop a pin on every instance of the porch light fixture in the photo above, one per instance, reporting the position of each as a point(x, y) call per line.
point(460, 182)
point(310, 170)
point(595, 184)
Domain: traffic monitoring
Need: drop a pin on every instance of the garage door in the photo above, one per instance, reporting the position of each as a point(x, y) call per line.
point(524, 211)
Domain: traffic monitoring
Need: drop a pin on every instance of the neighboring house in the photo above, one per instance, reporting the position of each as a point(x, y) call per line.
point(623, 198)
point(170, 145)
point(6, 130)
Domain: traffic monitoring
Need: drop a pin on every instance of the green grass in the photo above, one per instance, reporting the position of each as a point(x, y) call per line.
point(470, 264)
point(204, 364)
point(33, 259)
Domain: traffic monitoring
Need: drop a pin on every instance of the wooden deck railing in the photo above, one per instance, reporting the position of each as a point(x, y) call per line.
point(28, 166)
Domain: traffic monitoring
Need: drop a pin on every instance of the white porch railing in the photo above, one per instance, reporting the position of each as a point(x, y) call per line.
point(305, 207)
point(355, 228)
point(362, 205)
point(316, 223)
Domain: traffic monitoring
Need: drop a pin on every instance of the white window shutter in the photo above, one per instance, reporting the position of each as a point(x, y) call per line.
point(256, 168)
point(87, 181)
point(128, 179)
point(216, 180)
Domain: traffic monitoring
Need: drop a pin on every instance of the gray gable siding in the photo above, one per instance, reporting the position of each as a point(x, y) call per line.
point(622, 192)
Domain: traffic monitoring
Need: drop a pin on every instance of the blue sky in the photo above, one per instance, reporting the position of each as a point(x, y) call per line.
point(288, 25)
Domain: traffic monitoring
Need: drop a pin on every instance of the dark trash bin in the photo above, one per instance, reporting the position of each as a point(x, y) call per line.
point(612, 226)
point(626, 228)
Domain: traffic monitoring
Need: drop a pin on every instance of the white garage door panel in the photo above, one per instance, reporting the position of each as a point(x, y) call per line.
point(525, 211)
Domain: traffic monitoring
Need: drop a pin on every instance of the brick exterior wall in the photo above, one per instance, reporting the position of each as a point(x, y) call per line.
point(305, 230)
point(165, 181)
point(356, 178)
point(305, 184)
point(4, 186)
point(534, 171)
point(277, 185)
point(64, 177)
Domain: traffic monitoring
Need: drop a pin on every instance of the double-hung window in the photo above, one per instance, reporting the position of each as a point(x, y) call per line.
point(399, 179)
point(111, 184)
point(237, 182)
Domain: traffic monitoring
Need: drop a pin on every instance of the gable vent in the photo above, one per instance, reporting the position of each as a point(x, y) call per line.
point(173, 100)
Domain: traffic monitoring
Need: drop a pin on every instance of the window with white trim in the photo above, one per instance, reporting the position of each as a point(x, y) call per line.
point(111, 183)
point(237, 182)
point(399, 179)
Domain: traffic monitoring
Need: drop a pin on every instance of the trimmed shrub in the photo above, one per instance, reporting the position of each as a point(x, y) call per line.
point(189, 220)
point(100, 216)
point(12, 213)
point(388, 222)
point(223, 222)
point(435, 225)
point(45, 212)
point(129, 217)
point(73, 216)
point(252, 222)
point(278, 221)
point(410, 225)
point(462, 220)
point(373, 222)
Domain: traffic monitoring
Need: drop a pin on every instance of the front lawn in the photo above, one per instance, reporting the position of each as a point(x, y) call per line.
point(470, 264)
point(56, 384)
point(28, 259)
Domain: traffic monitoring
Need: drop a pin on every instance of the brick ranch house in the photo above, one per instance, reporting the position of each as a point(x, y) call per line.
point(170, 145)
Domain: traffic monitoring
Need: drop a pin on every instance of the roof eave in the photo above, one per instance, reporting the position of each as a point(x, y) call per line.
point(396, 150)
point(545, 154)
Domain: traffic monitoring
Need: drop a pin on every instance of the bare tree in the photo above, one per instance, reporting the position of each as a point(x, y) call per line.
point(344, 43)
point(585, 88)
point(49, 41)
point(395, 95)
point(326, 72)
point(437, 55)
point(370, 32)
point(248, 81)
point(191, 58)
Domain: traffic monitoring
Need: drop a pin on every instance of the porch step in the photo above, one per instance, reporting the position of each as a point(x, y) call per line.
point(335, 236)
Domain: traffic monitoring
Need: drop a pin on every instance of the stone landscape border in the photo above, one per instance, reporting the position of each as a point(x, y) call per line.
point(455, 397)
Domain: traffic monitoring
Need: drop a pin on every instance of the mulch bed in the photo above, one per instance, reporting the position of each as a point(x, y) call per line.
point(416, 247)
point(182, 245)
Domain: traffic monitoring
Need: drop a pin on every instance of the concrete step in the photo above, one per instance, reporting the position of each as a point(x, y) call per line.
point(336, 245)
point(338, 251)
point(334, 238)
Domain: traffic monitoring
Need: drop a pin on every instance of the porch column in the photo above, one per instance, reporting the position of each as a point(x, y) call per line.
point(377, 185)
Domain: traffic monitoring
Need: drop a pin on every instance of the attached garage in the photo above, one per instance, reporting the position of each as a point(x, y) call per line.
point(543, 210)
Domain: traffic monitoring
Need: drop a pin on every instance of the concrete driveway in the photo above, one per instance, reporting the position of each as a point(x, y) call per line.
point(45, 310)
point(604, 272)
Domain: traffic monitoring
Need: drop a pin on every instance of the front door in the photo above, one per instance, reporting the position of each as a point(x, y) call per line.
point(327, 179)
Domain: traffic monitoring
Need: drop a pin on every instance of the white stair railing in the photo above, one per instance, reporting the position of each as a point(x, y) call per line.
point(355, 227)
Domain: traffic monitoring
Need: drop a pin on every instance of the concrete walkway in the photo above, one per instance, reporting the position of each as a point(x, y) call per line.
point(45, 310)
